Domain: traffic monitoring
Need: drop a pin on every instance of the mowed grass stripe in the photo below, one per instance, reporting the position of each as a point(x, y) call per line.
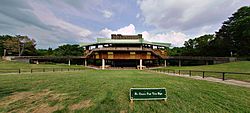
point(108, 91)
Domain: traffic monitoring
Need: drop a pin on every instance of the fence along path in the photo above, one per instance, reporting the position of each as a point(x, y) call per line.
point(202, 76)
point(33, 70)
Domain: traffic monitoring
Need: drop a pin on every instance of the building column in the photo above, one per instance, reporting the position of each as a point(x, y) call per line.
point(179, 63)
point(4, 52)
point(165, 63)
point(69, 62)
point(140, 64)
point(103, 64)
point(85, 62)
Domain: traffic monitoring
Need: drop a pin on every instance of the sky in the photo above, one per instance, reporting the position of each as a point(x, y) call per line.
point(56, 22)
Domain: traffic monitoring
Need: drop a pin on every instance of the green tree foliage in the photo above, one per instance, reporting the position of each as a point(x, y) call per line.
point(176, 51)
point(17, 45)
point(69, 50)
point(50, 51)
point(45, 52)
point(42, 52)
point(234, 35)
point(198, 47)
point(27, 46)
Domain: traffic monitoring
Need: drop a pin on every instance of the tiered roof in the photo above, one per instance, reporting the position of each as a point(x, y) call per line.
point(125, 39)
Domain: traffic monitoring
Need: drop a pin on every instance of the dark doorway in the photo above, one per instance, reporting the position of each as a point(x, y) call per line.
point(125, 63)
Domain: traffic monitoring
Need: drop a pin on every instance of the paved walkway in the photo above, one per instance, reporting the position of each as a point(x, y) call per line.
point(212, 79)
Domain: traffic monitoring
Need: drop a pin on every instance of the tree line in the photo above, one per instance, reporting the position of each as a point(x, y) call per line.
point(24, 46)
point(232, 39)
point(17, 45)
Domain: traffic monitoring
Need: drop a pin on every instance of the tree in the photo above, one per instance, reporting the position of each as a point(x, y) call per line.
point(45, 52)
point(198, 46)
point(189, 48)
point(202, 45)
point(175, 51)
point(234, 35)
point(69, 50)
point(17, 45)
point(11, 45)
point(26, 46)
point(50, 51)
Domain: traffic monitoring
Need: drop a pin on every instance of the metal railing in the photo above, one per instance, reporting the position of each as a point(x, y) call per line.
point(33, 70)
point(216, 74)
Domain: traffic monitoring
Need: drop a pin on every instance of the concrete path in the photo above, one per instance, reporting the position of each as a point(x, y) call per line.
point(212, 79)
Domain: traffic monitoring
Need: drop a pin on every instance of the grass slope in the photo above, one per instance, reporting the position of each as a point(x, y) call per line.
point(8, 67)
point(242, 67)
point(17, 65)
point(108, 91)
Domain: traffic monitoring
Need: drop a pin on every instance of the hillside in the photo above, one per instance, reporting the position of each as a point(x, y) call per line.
point(241, 66)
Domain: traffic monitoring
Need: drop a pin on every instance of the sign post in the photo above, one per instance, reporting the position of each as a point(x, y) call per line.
point(148, 94)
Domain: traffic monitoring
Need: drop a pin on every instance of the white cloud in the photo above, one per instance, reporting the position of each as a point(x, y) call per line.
point(175, 38)
point(127, 30)
point(137, 15)
point(46, 16)
point(183, 15)
point(38, 21)
point(105, 33)
point(107, 14)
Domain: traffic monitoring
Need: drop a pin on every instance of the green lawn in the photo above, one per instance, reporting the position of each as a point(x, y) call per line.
point(96, 91)
point(242, 67)
point(12, 67)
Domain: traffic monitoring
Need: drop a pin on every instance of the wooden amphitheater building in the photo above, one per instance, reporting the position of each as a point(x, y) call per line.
point(125, 51)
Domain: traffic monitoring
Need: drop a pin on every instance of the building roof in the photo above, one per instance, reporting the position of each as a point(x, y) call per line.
point(122, 40)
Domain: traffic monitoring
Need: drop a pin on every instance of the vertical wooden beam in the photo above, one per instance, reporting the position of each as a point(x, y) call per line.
point(165, 63)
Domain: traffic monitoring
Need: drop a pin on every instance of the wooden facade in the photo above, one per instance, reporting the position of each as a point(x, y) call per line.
point(125, 51)
point(123, 55)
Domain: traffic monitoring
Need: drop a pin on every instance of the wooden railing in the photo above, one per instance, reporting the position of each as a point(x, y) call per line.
point(160, 53)
point(119, 48)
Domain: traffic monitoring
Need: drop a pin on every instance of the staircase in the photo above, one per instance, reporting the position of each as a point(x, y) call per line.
point(160, 53)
